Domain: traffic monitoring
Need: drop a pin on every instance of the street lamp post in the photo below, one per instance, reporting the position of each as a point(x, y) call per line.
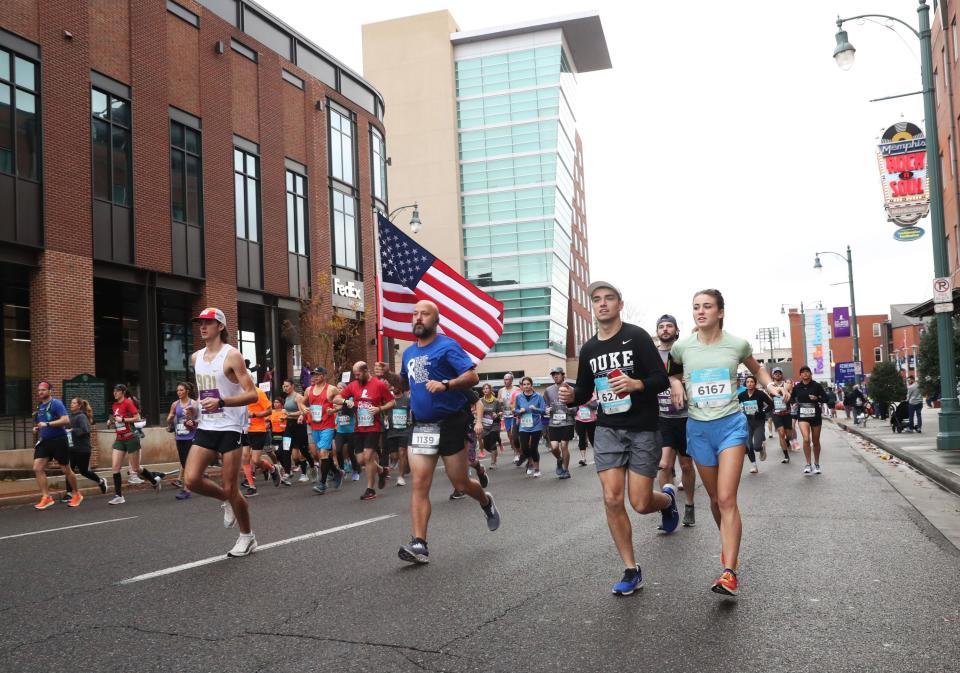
point(415, 222)
point(853, 304)
point(948, 437)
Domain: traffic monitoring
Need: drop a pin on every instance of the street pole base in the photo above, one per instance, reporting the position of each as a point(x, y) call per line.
point(948, 435)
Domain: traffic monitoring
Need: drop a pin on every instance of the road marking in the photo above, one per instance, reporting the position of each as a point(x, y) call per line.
point(53, 530)
point(262, 547)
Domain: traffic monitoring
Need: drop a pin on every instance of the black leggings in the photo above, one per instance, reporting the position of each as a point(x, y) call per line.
point(183, 450)
point(755, 440)
point(284, 456)
point(585, 431)
point(80, 464)
point(530, 445)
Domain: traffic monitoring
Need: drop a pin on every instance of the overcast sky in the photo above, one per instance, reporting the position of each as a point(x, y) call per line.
point(722, 149)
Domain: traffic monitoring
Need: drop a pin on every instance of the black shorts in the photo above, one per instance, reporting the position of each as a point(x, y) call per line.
point(453, 432)
point(57, 449)
point(397, 442)
point(782, 421)
point(221, 441)
point(366, 440)
point(297, 432)
point(815, 421)
point(560, 433)
point(255, 440)
point(673, 433)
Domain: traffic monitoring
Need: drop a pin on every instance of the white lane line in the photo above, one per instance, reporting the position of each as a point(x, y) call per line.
point(79, 525)
point(260, 548)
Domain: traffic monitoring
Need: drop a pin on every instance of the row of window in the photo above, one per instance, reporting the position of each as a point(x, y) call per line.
point(513, 70)
point(513, 139)
point(514, 204)
point(508, 108)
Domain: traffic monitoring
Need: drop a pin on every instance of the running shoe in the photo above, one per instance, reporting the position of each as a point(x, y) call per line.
point(158, 482)
point(75, 500)
point(314, 473)
point(482, 477)
point(303, 478)
point(348, 466)
point(583, 463)
point(337, 478)
point(249, 490)
point(689, 516)
point(414, 551)
point(246, 545)
point(817, 470)
point(178, 483)
point(786, 458)
point(670, 516)
point(754, 469)
point(679, 485)
point(134, 479)
point(356, 476)
point(369, 494)
point(401, 481)
point(116, 500)
point(457, 495)
point(517, 461)
point(564, 475)
point(807, 470)
point(320, 487)
point(491, 512)
point(536, 474)
point(184, 495)
point(67, 497)
point(529, 471)
point(559, 469)
point(229, 518)
point(285, 480)
point(631, 581)
point(763, 453)
point(382, 477)
point(275, 475)
point(46, 502)
point(727, 584)
point(103, 485)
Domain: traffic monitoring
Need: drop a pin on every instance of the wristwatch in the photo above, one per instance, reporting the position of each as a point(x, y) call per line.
point(220, 403)
point(446, 384)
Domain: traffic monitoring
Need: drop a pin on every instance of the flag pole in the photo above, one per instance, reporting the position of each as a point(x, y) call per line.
point(376, 284)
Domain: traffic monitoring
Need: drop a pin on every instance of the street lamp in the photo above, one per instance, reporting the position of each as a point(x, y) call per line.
point(853, 301)
point(415, 223)
point(948, 437)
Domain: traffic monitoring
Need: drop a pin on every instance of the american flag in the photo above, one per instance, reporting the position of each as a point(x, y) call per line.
point(408, 274)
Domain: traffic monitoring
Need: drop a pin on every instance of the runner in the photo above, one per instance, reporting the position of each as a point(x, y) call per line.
point(755, 405)
point(507, 395)
point(560, 427)
point(586, 427)
point(278, 424)
point(781, 412)
point(225, 389)
point(673, 428)
point(706, 363)
point(124, 415)
point(296, 430)
point(319, 400)
point(438, 372)
point(346, 440)
point(50, 435)
point(254, 441)
point(809, 396)
point(78, 438)
point(529, 408)
point(398, 437)
point(622, 365)
point(182, 422)
point(474, 442)
point(492, 413)
point(370, 397)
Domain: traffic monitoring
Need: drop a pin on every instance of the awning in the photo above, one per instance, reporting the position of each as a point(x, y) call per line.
point(925, 310)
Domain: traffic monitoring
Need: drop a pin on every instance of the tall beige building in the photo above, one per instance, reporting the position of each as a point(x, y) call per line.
point(483, 138)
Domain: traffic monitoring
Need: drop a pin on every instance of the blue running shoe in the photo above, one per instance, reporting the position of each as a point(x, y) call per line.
point(631, 581)
point(320, 487)
point(337, 477)
point(671, 516)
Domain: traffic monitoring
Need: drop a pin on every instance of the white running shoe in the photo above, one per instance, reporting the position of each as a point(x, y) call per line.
point(529, 471)
point(401, 481)
point(246, 545)
point(134, 479)
point(116, 500)
point(754, 469)
point(536, 474)
point(807, 471)
point(679, 485)
point(303, 478)
point(229, 518)
point(816, 469)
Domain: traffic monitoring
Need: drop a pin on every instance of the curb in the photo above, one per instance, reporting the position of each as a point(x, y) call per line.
point(945, 478)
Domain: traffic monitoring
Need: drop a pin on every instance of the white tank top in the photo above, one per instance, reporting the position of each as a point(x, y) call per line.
point(213, 382)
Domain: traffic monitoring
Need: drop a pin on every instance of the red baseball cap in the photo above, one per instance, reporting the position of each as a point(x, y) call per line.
point(211, 313)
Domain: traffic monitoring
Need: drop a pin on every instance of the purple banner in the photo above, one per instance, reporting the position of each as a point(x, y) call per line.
point(841, 322)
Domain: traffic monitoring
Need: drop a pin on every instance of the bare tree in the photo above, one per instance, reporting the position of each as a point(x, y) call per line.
point(327, 338)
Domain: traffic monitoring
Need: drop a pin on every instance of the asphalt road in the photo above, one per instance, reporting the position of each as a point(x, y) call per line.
point(838, 573)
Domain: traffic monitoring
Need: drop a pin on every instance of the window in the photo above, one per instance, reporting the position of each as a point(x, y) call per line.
point(112, 175)
point(186, 199)
point(345, 233)
point(246, 195)
point(19, 149)
point(297, 227)
point(341, 144)
point(878, 355)
point(378, 165)
point(876, 329)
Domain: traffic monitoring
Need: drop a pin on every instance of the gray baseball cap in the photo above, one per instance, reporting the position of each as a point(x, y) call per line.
point(597, 284)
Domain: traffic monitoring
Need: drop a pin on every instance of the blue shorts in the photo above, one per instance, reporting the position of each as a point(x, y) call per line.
point(322, 439)
point(508, 424)
point(707, 439)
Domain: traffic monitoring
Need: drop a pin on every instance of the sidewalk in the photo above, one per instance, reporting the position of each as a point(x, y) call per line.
point(919, 450)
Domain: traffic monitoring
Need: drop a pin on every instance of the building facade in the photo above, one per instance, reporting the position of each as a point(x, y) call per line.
point(159, 157)
point(484, 139)
point(946, 71)
point(874, 334)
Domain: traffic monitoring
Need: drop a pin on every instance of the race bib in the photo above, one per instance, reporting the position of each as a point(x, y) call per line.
point(558, 417)
point(749, 407)
point(779, 406)
point(316, 412)
point(808, 410)
point(710, 387)
point(287, 443)
point(425, 439)
point(364, 417)
point(182, 429)
point(343, 420)
point(583, 414)
point(665, 400)
point(526, 420)
point(399, 419)
point(610, 402)
point(487, 421)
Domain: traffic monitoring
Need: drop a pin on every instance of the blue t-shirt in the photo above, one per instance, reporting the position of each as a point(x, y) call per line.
point(51, 411)
point(441, 360)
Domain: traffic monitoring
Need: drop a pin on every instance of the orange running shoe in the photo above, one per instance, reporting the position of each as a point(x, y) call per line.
point(727, 584)
point(45, 503)
point(75, 500)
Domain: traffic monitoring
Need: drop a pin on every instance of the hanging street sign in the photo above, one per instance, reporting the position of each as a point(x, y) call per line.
point(902, 157)
point(908, 233)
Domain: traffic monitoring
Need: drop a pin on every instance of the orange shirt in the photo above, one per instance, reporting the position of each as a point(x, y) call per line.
point(262, 404)
point(278, 420)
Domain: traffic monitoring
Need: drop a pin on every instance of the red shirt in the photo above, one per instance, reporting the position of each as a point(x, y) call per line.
point(375, 393)
point(127, 409)
point(318, 398)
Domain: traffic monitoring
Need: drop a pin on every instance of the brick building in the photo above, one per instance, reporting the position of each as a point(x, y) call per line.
point(157, 157)
point(874, 333)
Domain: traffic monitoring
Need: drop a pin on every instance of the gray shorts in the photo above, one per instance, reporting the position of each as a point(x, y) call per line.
point(637, 449)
